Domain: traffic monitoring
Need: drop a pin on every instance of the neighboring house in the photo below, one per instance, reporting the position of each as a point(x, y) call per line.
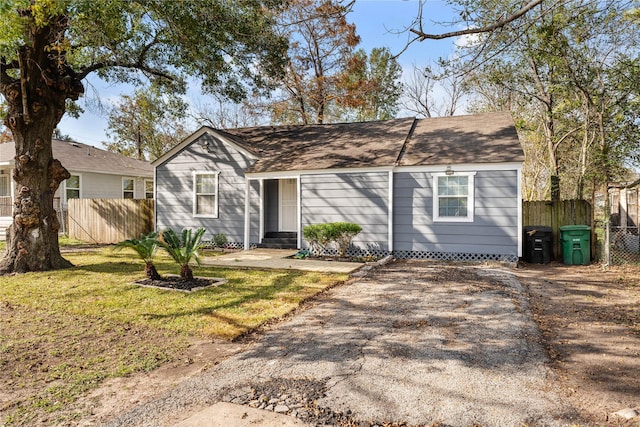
point(95, 174)
point(443, 188)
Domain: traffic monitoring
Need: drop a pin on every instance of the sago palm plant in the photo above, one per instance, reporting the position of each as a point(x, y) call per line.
point(146, 248)
point(183, 248)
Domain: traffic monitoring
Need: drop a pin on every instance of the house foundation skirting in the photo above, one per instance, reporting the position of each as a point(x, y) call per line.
point(454, 256)
point(229, 245)
point(427, 255)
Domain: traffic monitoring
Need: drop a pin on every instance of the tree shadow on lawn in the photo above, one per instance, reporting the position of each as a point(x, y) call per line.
point(245, 294)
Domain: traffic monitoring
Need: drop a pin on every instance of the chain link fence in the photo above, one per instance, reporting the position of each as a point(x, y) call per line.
point(622, 245)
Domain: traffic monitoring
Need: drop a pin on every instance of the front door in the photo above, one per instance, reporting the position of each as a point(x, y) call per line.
point(288, 205)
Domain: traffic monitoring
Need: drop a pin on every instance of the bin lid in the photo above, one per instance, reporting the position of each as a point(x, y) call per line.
point(541, 228)
point(575, 228)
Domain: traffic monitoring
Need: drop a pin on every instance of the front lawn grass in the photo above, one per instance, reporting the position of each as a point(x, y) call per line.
point(63, 332)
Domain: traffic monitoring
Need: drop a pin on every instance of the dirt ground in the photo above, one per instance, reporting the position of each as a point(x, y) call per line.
point(589, 317)
point(590, 320)
point(118, 395)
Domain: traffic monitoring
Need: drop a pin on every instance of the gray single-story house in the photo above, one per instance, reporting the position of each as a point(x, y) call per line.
point(439, 188)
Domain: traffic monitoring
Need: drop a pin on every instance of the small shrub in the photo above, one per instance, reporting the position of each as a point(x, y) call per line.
point(146, 248)
point(316, 236)
point(183, 248)
point(341, 234)
point(219, 240)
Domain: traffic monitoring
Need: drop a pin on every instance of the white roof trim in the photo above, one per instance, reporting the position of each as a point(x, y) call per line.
point(471, 167)
point(462, 167)
point(193, 137)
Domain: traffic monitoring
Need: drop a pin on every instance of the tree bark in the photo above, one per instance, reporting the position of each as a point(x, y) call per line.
point(151, 271)
point(186, 272)
point(36, 103)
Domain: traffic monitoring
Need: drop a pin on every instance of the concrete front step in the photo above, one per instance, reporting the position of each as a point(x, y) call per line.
point(278, 244)
point(279, 240)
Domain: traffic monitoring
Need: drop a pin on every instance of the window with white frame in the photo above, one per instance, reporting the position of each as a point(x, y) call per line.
point(205, 194)
point(72, 187)
point(128, 188)
point(453, 197)
point(148, 189)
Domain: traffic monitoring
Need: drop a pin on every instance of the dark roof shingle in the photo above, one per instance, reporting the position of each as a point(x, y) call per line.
point(341, 145)
point(479, 138)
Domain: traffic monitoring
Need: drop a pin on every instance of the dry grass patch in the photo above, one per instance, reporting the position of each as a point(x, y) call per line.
point(64, 332)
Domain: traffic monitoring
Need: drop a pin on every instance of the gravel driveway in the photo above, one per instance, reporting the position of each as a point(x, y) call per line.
point(414, 342)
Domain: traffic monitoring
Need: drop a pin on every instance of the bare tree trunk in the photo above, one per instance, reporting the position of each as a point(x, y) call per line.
point(186, 272)
point(35, 107)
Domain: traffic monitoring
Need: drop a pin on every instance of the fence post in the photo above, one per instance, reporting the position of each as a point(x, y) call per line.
point(607, 243)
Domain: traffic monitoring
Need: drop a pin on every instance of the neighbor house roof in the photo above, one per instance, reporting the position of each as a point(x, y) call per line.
point(481, 138)
point(78, 157)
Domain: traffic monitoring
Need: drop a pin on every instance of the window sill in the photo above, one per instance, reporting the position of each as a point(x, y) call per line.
point(452, 219)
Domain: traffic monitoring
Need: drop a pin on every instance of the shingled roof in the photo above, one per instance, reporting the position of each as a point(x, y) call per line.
point(341, 145)
point(79, 157)
point(481, 138)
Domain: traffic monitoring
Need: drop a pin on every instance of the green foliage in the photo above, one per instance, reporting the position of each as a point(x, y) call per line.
point(183, 248)
point(565, 71)
point(317, 237)
point(146, 247)
point(146, 124)
point(371, 86)
point(232, 46)
point(339, 233)
point(219, 240)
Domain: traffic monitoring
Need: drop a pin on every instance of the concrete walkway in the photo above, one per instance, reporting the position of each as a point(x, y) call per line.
point(278, 259)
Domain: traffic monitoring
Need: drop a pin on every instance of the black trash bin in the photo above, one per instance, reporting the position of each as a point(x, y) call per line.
point(538, 244)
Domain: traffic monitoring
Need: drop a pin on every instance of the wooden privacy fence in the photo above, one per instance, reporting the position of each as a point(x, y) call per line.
point(557, 214)
point(109, 220)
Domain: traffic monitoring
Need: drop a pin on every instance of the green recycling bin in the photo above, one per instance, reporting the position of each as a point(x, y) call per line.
point(576, 244)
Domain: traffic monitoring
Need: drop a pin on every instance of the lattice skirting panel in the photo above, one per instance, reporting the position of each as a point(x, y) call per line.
point(430, 255)
point(356, 252)
point(455, 256)
point(208, 244)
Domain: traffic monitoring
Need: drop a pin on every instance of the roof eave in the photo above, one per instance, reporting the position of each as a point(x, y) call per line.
point(193, 137)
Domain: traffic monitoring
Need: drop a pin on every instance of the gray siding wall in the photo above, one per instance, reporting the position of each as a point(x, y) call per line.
point(174, 191)
point(493, 231)
point(359, 198)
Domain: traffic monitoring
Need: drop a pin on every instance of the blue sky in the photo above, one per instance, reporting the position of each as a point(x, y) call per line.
point(378, 22)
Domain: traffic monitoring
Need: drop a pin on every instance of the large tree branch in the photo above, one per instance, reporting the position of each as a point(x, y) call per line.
point(84, 72)
point(423, 36)
point(139, 64)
